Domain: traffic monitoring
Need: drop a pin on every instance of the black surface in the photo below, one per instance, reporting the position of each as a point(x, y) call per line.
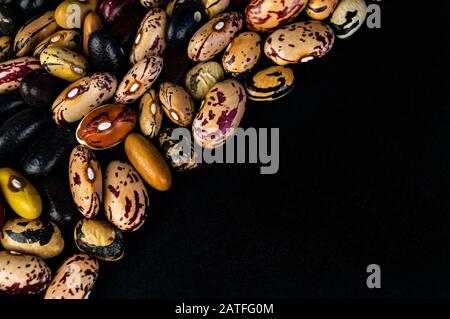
point(364, 178)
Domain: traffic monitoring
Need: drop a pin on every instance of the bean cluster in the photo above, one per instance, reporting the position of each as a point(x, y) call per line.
point(82, 77)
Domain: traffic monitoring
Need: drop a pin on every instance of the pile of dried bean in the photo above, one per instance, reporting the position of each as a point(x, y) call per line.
point(85, 76)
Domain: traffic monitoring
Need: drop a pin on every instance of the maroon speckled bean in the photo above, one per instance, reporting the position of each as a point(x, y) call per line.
point(23, 274)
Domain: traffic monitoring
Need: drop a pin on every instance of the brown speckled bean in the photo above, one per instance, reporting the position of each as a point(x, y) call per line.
point(214, 36)
point(86, 181)
point(267, 15)
point(243, 54)
point(23, 274)
point(150, 39)
point(220, 114)
point(13, 71)
point(74, 279)
point(138, 80)
point(126, 198)
point(150, 114)
point(83, 96)
point(176, 103)
point(299, 42)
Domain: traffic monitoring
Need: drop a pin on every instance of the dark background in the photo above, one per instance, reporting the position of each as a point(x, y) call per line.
point(364, 178)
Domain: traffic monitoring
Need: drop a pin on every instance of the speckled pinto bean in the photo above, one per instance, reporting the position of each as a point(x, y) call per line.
point(33, 237)
point(70, 39)
point(138, 80)
point(348, 17)
point(74, 279)
point(6, 45)
point(150, 114)
point(299, 42)
point(86, 181)
point(267, 15)
point(321, 9)
point(151, 37)
point(242, 55)
point(106, 126)
point(13, 71)
point(177, 103)
point(220, 114)
point(126, 198)
point(214, 36)
point(33, 32)
point(83, 96)
point(23, 274)
point(64, 63)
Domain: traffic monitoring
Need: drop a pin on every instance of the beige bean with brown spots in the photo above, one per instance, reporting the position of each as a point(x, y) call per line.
point(74, 279)
point(83, 96)
point(214, 36)
point(267, 15)
point(86, 181)
point(299, 42)
point(150, 114)
point(176, 103)
point(23, 274)
point(138, 80)
point(13, 71)
point(126, 198)
point(243, 54)
point(150, 39)
point(220, 114)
